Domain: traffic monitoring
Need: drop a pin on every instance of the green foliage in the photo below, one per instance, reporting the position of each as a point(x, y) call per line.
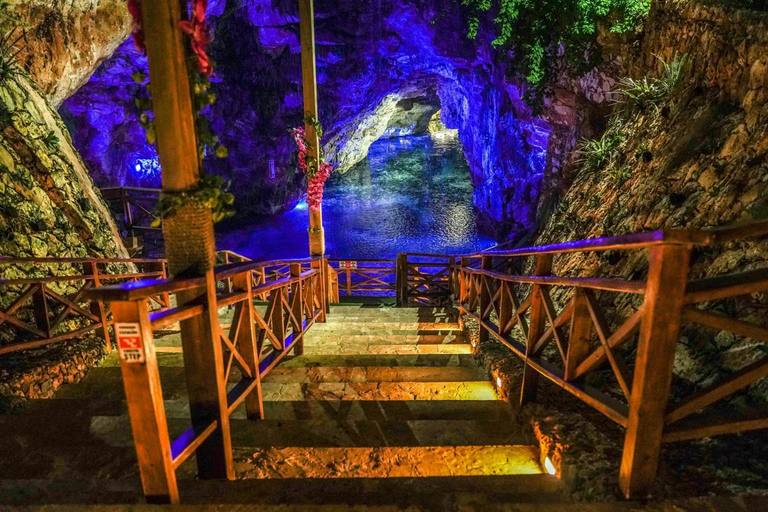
point(647, 92)
point(211, 193)
point(595, 154)
point(537, 33)
point(51, 140)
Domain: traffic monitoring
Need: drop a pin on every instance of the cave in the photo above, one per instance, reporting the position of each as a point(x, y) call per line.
point(428, 255)
point(374, 62)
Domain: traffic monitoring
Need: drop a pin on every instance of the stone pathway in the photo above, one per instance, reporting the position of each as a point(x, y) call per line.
point(387, 410)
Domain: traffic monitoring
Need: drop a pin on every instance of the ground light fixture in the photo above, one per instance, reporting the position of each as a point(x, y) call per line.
point(549, 466)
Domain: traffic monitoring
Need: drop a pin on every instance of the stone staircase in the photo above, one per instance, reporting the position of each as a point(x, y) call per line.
point(386, 407)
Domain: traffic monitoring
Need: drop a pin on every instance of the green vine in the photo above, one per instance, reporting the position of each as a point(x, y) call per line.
point(210, 194)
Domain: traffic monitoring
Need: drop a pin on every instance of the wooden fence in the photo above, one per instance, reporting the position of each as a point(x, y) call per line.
point(424, 279)
point(133, 209)
point(39, 311)
point(254, 344)
point(518, 310)
point(371, 277)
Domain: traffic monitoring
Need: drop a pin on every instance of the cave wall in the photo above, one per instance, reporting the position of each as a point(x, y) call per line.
point(66, 40)
point(372, 55)
point(700, 159)
point(48, 203)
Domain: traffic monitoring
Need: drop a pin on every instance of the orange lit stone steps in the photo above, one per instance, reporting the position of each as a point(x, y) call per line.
point(381, 409)
point(387, 462)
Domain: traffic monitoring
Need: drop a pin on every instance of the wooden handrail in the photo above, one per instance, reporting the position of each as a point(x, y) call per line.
point(670, 299)
point(144, 289)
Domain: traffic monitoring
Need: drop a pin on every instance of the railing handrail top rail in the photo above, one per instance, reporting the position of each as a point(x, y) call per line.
point(132, 189)
point(138, 290)
point(13, 260)
point(702, 237)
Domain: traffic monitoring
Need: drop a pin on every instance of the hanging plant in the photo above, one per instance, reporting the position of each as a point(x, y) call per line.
point(210, 192)
point(317, 172)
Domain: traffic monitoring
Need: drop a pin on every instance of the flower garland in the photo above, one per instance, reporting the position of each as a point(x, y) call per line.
point(317, 174)
point(210, 192)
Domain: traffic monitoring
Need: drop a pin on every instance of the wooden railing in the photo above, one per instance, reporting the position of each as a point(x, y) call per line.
point(519, 311)
point(424, 279)
point(255, 343)
point(365, 277)
point(133, 210)
point(39, 311)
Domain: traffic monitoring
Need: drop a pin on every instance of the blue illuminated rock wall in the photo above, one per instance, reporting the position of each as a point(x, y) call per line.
point(371, 55)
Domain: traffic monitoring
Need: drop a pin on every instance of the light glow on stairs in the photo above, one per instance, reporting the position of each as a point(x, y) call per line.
point(387, 462)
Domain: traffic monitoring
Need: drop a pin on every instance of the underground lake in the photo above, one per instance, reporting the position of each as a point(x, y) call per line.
point(411, 194)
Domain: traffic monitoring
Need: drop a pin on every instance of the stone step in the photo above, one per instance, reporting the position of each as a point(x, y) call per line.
point(297, 495)
point(318, 383)
point(363, 349)
point(170, 358)
point(375, 374)
point(385, 327)
point(319, 338)
point(328, 432)
point(386, 462)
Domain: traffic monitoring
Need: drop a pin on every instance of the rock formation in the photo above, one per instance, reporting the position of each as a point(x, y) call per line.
point(50, 207)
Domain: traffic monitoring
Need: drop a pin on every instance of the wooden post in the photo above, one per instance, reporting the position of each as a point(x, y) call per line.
point(97, 306)
point(665, 290)
point(463, 281)
point(486, 296)
point(297, 299)
point(506, 308)
point(535, 330)
point(581, 332)
point(144, 398)
point(402, 279)
point(309, 85)
point(245, 334)
point(189, 245)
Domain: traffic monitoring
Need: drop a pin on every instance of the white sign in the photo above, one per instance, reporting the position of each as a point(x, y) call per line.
point(129, 342)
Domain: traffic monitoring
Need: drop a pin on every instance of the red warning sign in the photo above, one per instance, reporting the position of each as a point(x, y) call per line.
point(129, 342)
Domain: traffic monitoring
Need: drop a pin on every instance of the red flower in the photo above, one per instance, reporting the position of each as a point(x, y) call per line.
point(317, 182)
point(134, 7)
point(197, 30)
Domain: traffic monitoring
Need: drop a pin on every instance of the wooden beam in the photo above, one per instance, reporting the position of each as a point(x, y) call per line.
point(144, 397)
point(535, 330)
point(662, 312)
point(188, 234)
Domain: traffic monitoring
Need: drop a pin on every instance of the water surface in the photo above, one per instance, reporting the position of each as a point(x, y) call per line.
point(412, 194)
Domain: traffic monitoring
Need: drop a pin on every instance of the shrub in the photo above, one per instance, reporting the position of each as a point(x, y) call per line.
point(595, 154)
point(538, 34)
point(640, 94)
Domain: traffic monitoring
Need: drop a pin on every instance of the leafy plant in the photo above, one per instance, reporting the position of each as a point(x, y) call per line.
point(51, 140)
point(9, 50)
point(648, 91)
point(594, 154)
point(211, 193)
point(538, 34)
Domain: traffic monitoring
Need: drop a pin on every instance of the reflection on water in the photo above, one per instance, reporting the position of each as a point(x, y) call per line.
point(412, 194)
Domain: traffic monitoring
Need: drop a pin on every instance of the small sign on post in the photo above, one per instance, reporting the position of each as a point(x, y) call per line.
point(129, 342)
point(350, 264)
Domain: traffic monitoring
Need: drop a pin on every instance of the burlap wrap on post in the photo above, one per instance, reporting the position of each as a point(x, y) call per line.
point(189, 241)
point(316, 242)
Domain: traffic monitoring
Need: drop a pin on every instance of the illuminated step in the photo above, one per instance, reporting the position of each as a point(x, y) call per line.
point(325, 431)
point(420, 360)
point(318, 338)
point(283, 374)
point(386, 462)
point(367, 325)
point(362, 349)
point(345, 391)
